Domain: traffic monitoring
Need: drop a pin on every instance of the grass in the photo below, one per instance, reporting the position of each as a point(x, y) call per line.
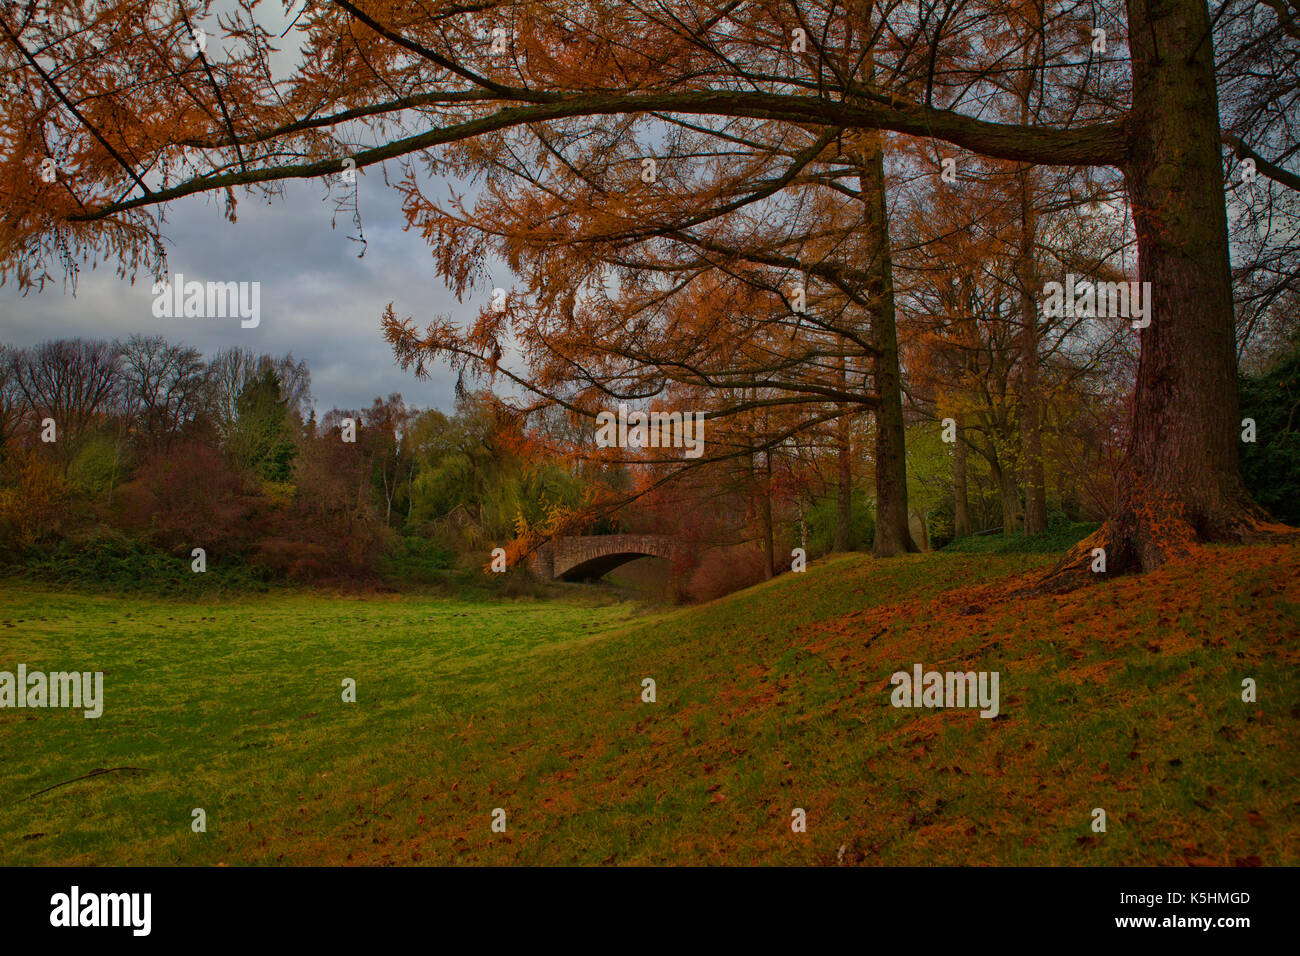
point(1124, 696)
point(1053, 541)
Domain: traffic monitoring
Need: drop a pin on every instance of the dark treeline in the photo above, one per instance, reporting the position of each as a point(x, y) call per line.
point(145, 449)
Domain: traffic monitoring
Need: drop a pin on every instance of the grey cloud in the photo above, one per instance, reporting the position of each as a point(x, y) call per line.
point(318, 299)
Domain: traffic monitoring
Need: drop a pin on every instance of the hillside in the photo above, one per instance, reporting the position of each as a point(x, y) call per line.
point(1125, 696)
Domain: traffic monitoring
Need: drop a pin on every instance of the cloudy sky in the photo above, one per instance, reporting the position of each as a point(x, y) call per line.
point(318, 299)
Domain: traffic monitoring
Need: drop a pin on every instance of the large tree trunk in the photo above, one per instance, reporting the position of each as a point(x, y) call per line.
point(892, 533)
point(844, 483)
point(960, 492)
point(1010, 497)
point(769, 533)
point(1179, 481)
point(1031, 439)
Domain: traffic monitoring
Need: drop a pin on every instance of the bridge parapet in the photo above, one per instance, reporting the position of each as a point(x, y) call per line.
point(594, 555)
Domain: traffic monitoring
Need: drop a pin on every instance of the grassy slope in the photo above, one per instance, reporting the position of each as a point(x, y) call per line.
point(1124, 696)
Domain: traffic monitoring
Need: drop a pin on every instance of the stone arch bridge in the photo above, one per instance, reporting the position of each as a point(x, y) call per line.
point(584, 557)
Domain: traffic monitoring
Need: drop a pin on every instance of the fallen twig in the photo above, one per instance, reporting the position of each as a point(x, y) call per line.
point(98, 771)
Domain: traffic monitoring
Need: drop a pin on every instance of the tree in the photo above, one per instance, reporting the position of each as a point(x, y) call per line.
point(388, 421)
point(162, 387)
point(979, 352)
point(10, 402)
point(74, 382)
point(261, 438)
point(708, 66)
point(232, 369)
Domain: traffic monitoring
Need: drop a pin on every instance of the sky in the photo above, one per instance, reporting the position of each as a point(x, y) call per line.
point(319, 301)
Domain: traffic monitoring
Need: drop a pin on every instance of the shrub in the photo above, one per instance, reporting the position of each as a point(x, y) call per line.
point(416, 560)
point(105, 558)
point(820, 520)
point(723, 570)
point(1270, 466)
point(941, 524)
point(97, 467)
point(34, 502)
point(189, 496)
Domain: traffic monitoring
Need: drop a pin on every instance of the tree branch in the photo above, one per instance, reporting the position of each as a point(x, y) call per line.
point(1098, 144)
point(1275, 173)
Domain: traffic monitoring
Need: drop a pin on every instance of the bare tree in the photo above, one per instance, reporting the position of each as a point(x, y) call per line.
point(162, 386)
point(10, 401)
point(75, 382)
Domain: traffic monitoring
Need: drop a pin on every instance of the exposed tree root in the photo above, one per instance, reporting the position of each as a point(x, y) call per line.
point(1154, 530)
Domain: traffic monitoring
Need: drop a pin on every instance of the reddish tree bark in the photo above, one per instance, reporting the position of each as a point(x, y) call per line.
point(844, 469)
point(893, 535)
point(1180, 480)
point(1031, 439)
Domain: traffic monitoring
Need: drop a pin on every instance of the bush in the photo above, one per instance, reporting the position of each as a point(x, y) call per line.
point(279, 494)
point(1057, 519)
point(105, 558)
point(820, 520)
point(189, 496)
point(1270, 466)
point(941, 524)
point(415, 560)
point(97, 467)
point(35, 502)
point(300, 549)
point(723, 570)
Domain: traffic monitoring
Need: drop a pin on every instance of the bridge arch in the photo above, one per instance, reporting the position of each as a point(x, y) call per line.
point(586, 557)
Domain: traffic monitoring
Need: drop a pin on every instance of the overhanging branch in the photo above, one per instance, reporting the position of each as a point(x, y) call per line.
point(1099, 144)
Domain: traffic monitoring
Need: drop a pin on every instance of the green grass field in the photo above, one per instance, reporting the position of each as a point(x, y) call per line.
point(1124, 696)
